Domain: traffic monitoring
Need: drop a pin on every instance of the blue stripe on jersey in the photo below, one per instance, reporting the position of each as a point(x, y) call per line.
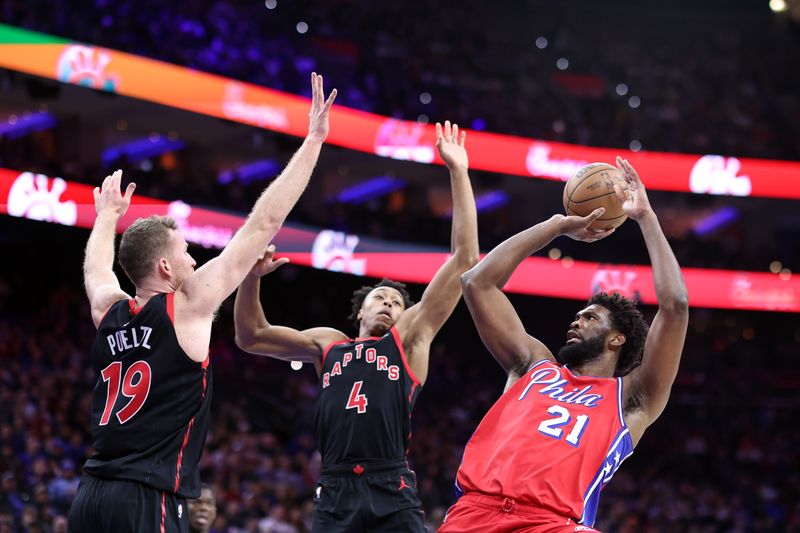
point(537, 363)
point(621, 449)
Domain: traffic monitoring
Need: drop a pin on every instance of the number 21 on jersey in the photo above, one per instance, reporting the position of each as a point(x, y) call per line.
point(552, 426)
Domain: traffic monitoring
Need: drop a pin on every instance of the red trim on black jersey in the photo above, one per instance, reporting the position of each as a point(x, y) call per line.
point(106, 313)
point(132, 305)
point(346, 341)
point(163, 512)
point(329, 346)
point(413, 377)
point(186, 437)
point(171, 307)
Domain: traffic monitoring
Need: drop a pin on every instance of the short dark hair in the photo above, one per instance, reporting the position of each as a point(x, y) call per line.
point(628, 320)
point(361, 294)
point(141, 245)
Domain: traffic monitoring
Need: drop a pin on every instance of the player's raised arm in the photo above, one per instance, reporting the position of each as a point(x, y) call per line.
point(255, 335)
point(216, 280)
point(102, 285)
point(647, 387)
point(419, 324)
point(497, 322)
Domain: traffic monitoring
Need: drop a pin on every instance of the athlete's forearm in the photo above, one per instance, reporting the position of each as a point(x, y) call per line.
point(500, 263)
point(464, 231)
point(279, 198)
point(98, 263)
point(248, 314)
point(669, 284)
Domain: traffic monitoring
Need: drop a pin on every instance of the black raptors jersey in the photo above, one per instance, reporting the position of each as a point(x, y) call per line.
point(366, 395)
point(151, 403)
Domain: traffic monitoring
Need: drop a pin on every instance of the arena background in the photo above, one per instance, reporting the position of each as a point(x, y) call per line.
point(703, 94)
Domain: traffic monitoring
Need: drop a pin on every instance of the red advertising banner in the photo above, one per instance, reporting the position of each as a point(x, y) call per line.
point(43, 198)
point(212, 95)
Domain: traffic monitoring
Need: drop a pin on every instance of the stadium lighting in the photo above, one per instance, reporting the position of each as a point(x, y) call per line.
point(777, 6)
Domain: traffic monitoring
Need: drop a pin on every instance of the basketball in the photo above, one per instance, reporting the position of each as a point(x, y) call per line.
point(591, 187)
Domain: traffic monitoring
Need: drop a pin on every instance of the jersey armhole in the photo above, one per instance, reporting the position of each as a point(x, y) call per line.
point(105, 314)
point(619, 403)
point(330, 346)
point(399, 344)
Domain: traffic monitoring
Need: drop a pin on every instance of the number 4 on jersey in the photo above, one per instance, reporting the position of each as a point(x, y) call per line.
point(357, 400)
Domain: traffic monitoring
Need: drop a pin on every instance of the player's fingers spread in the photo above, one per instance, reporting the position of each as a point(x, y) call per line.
point(331, 98)
point(447, 130)
point(463, 138)
point(455, 132)
point(129, 190)
point(438, 130)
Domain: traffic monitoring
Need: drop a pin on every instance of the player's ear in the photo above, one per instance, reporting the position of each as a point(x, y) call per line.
point(164, 267)
point(617, 339)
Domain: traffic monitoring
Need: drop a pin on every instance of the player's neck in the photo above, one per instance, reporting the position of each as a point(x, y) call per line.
point(149, 288)
point(364, 333)
point(600, 368)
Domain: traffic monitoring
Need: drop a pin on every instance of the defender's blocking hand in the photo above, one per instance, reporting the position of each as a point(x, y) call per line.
point(451, 146)
point(266, 262)
point(108, 197)
point(318, 125)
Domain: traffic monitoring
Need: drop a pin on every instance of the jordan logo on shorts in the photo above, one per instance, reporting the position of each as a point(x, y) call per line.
point(403, 484)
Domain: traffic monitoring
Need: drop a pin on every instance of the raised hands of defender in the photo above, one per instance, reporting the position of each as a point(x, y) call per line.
point(109, 198)
point(633, 196)
point(451, 146)
point(266, 262)
point(577, 228)
point(318, 126)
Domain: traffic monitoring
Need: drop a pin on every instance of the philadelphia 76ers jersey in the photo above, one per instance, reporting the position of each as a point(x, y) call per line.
point(552, 440)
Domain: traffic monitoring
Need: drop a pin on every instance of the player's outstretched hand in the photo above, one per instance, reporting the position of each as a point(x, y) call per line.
point(577, 228)
point(109, 198)
point(266, 262)
point(451, 146)
point(633, 196)
point(318, 125)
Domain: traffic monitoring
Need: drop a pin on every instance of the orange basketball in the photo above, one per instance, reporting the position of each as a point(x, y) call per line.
point(591, 187)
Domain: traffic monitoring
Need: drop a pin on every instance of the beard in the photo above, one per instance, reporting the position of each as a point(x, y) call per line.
point(581, 352)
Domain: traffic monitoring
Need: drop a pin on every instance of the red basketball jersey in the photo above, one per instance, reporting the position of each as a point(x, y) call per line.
point(553, 440)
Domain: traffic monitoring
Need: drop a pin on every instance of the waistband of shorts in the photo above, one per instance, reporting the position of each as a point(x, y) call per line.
point(362, 468)
point(507, 505)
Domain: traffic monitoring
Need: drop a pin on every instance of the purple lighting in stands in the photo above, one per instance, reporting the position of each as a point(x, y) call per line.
point(716, 220)
point(488, 202)
point(140, 149)
point(367, 190)
point(15, 126)
point(256, 171)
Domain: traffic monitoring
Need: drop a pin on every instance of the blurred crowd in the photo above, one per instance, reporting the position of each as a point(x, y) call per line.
point(722, 458)
point(602, 74)
point(726, 83)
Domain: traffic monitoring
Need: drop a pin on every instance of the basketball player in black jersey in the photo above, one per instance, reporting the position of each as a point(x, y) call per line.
point(368, 385)
point(150, 406)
